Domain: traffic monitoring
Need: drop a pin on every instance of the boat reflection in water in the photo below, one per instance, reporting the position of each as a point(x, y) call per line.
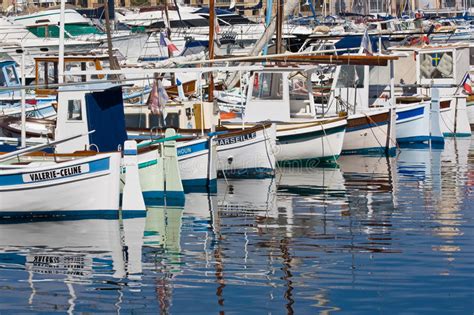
point(308, 240)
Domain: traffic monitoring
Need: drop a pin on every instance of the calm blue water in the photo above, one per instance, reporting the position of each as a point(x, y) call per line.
point(375, 235)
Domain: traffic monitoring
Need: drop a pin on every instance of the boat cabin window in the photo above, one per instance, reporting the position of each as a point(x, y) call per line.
point(379, 85)
point(351, 77)
point(436, 65)
point(74, 110)
point(3, 81)
point(73, 67)
point(47, 73)
point(10, 75)
point(299, 95)
point(267, 86)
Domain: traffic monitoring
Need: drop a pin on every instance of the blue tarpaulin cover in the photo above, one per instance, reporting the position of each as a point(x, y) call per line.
point(106, 116)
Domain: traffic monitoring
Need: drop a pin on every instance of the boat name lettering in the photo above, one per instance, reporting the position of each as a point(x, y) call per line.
point(183, 151)
point(237, 139)
point(54, 174)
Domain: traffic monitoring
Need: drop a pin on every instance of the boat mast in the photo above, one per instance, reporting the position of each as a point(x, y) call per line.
point(279, 29)
point(113, 64)
point(61, 43)
point(212, 19)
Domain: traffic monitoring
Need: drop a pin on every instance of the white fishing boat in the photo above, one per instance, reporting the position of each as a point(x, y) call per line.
point(301, 139)
point(81, 183)
point(360, 92)
point(443, 67)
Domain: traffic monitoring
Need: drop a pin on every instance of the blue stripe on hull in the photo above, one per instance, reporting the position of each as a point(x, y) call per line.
point(410, 113)
point(256, 172)
point(437, 139)
point(200, 185)
point(371, 151)
point(413, 139)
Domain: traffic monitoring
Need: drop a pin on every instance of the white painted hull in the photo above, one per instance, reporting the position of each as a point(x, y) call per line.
point(247, 154)
point(454, 119)
point(96, 187)
point(413, 122)
point(194, 164)
point(367, 133)
point(470, 112)
point(311, 141)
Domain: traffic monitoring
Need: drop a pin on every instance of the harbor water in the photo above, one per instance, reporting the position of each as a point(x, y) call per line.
point(374, 235)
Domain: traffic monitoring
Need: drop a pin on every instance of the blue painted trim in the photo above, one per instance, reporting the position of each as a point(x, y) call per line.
point(410, 113)
point(413, 139)
point(457, 135)
point(370, 151)
point(130, 152)
point(437, 139)
point(192, 148)
point(255, 172)
point(17, 179)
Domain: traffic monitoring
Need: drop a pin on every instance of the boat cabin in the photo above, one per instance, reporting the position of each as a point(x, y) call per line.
point(97, 107)
point(359, 87)
point(436, 64)
point(46, 70)
point(8, 78)
point(279, 95)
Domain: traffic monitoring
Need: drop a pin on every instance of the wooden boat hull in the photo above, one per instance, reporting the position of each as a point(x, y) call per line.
point(84, 184)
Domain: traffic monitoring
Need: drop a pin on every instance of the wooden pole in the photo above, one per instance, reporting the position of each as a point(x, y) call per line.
point(112, 61)
point(279, 28)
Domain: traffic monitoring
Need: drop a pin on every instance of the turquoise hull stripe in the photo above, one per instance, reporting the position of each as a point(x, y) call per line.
point(457, 135)
point(147, 164)
point(309, 135)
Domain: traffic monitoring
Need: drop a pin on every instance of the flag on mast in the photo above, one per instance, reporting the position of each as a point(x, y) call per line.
point(467, 83)
point(158, 98)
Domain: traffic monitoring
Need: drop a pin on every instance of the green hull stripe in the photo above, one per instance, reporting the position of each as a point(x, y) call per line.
point(310, 135)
